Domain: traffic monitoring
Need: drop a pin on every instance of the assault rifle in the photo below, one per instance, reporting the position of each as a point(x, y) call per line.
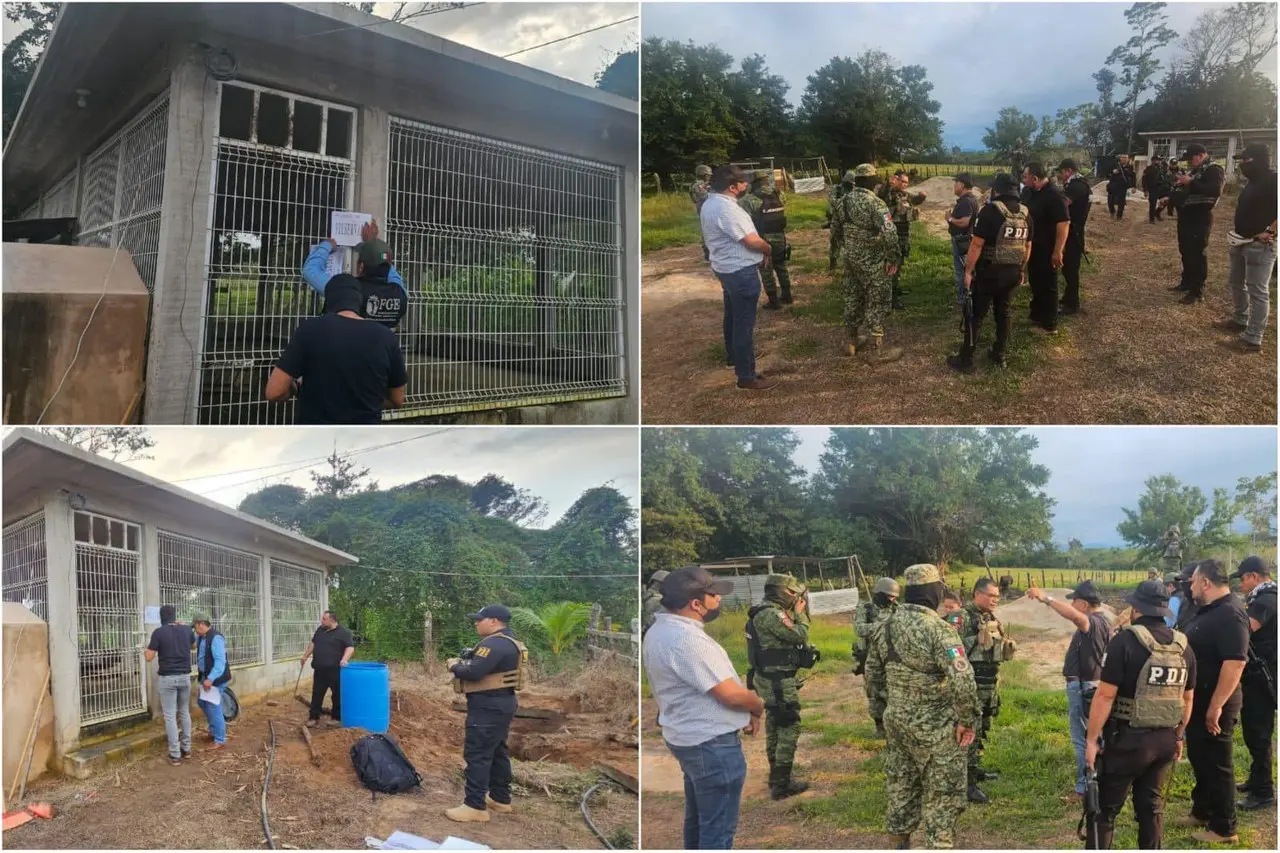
point(1257, 667)
point(1092, 808)
point(467, 653)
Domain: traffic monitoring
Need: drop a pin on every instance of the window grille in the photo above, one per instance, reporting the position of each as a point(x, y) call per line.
point(110, 633)
point(512, 258)
point(60, 201)
point(284, 163)
point(297, 600)
point(1163, 146)
point(25, 568)
point(201, 579)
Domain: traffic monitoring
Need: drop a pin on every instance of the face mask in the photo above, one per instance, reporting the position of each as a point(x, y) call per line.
point(1253, 169)
point(710, 615)
point(881, 599)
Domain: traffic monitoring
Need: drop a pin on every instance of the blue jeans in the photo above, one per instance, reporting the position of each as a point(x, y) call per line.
point(957, 262)
point(217, 722)
point(1079, 725)
point(175, 705)
point(714, 773)
point(741, 294)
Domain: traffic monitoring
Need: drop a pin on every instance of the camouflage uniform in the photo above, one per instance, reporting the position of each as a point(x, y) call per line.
point(651, 606)
point(920, 661)
point(774, 276)
point(987, 646)
point(699, 190)
point(870, 244)
point(900, 204)
point(1173, 549)
point(865, 618)
point(782, 634)
point(836, 242)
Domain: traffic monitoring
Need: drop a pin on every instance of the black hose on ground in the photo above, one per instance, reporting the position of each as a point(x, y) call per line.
point(587, 816)
point(266, 783)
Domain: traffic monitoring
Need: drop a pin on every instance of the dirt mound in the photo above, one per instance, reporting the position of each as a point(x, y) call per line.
point(940, 190)
point(1030, 613)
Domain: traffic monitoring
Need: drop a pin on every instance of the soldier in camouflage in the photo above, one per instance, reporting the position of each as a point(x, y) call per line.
point(652, 604)
point(987, 646)
point(900, 203)
point(871, 258)
point(834, 222)
point(884, 599)
point(777, 646)
point(698, 192)
point(1173, 549)
point(764, 203)
point(931, 713)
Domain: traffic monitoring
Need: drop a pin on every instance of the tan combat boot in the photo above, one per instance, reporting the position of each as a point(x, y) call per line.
point(900, 842)
point(466, 814)
point(878, 353)
point(855, 341)
point(495, 806)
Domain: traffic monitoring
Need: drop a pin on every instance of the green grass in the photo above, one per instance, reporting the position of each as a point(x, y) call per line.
point(964, 579)
point(670, 219)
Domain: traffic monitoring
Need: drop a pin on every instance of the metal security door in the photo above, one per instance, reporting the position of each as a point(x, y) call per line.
point(109, 618)
point(282, 164)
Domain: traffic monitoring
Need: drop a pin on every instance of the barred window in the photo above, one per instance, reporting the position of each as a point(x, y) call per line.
point(201, 579)
point(26, 573)
point(297, 600)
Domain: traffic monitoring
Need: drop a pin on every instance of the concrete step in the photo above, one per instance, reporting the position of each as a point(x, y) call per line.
point(95, 759)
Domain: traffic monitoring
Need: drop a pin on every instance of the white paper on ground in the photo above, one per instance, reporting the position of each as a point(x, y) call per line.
point(213, 696)
point(345, 225)
point(452, 843)
point(407, 841)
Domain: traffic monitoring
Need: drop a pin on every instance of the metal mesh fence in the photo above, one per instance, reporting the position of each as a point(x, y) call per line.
point(25, 567)
point(297, 600)
point(271, 204)
point(109, 618)
point(201, 579)
point(512, 259)
point(61, 200)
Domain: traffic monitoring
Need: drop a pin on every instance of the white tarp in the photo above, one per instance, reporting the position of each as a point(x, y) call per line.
point(805, 186)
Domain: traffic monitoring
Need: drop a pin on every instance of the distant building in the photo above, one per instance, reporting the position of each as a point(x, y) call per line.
point(1221, 144)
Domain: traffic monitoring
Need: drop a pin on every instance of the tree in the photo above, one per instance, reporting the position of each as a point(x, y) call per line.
point(621, 75)
point(1136, 58)
point(1075, 554)
point(342, 479)
point(278, 504)
point(1256, 499)
point(561, 624)
point(688, 113)
point(759, 105)
point(119, 444)
point(1167, 502)
point(22, 53)
point(1013, 130)
point(495, 496)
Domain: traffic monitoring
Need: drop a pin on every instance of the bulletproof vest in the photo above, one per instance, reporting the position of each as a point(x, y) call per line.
point(512, 679)
point(381, 300)
point(1010, 245)
point(1194, 199)
point(771, 217)
point(759, 658)
point(1157, 698)
point(892, 656)
point(206, 660)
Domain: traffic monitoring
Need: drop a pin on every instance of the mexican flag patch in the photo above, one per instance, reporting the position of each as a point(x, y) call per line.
point(955, 652)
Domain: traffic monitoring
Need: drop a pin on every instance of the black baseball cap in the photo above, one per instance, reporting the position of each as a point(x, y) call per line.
point(1251, 565)
point(373, 254)
point(491, 611)
point(1149, 599)
point(1069, 163)
point(689, 582)
point(1086, 591)
point(342, 293)
point(1003, 182)
point(1192, 150)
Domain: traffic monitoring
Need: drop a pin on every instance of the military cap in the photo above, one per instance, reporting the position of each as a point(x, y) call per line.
point(762, 175)
point(702, 172)
point(886, 585)
point(921, 573)
point(787, 582)
point(659, 576)
point(1171, 577)
point(864, 170)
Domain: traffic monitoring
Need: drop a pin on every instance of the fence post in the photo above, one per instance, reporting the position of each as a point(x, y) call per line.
point(428, 642)
point(594, 622)
point(635, 639)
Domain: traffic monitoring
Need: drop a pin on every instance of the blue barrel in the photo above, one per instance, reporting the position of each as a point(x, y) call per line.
point(366, 696)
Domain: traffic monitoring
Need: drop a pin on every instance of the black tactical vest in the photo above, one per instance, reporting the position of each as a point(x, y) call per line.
point(1011, 240)
point(772, 218)
point(381, 300)
point(206, 660)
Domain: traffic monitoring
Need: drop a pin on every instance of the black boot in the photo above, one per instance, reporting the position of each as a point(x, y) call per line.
point(786, 296)
point(980, 775)
point(1180, 288)
point(962, 363)
point(976, 796)
point(880, 729)
point(781, 785)
point(901, 842)
point(1253, 802)
point(1191, 298)
point(773, 304)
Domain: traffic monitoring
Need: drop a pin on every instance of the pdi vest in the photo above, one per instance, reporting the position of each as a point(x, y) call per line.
point(1157, 699)
point(512, 678)
point(1009, 247)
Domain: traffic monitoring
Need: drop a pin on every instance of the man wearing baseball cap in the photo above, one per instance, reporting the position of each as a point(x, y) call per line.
point(384, 298)
point(489, 677)
point(1140, 712)
point(1200, 189)
point(1079, 197)
point(1252, 247)
point(1083, 665)
point(702, 705)
point(1258, 714)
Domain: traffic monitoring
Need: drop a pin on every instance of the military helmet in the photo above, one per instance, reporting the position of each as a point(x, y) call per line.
point(848, 177)
point(658, 577)
point(783, 588)
point(887, 586)
point(761, 175)
point(702, 172)
point(921, 574)
point(864, 170)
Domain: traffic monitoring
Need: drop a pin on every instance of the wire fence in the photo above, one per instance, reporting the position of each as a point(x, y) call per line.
point(25, 565)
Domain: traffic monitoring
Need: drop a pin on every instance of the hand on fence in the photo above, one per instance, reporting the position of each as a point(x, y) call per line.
point(369, 231)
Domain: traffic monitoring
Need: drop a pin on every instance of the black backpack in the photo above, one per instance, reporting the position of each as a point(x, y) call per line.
point(382, 767)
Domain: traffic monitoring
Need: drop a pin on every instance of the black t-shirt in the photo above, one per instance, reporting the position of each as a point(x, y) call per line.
point(1256, 208)
point(346, 366)
point(172, 644)
point(329, 646)
point(1125, 657)
point(1084, 655)
point(1048, 208)
point(964, 207)
point(1263, 640)
point(493, 654)
point(1079, 197)
point(987, 225)
point(1219, 633)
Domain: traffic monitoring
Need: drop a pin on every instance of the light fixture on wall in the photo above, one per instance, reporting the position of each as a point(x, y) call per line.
point(82, 98)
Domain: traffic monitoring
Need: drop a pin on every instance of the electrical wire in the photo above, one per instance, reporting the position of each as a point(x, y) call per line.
point(422, 13)
point(633, 576)
point(587, 816)
point(266, 783)
point(573, 36)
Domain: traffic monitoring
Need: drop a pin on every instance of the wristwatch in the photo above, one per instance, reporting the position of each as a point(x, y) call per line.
point(1048, 599)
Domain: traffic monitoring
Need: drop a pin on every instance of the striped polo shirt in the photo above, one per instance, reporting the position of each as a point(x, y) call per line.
point(683, 665)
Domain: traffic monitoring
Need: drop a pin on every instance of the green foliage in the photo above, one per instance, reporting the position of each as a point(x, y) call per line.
point(493, 495)
point(688, 115)
point(621, 76)
point(1256, 499)
point(1205, 524)
point(119, 444)
point(560, 624)
point(343, 477)
point(22, 53)
point(1014, 130)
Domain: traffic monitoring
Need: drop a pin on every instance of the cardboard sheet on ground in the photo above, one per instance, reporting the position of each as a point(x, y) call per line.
point(213, 696)
point(345, 225)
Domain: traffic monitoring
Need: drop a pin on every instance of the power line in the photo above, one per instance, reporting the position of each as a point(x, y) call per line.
point(421, 13)
point(573, 36)
point(632, 577)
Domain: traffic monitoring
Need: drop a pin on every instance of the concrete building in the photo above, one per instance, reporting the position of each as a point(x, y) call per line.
point(1222, 145)
point(212, 142)
point(95, 548)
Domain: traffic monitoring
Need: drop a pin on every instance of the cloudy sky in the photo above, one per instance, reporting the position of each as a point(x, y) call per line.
point(1050, 49)
point(1095, 471)
point(502, 28)
point(556, 463)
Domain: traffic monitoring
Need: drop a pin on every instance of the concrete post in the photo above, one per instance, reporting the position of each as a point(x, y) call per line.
point(1151, 148)
point(265, 635)
point(629, 217)
point(176, 328)
point(1229, 166)
point(150, 594)
point(64, 629)
point(371, 163)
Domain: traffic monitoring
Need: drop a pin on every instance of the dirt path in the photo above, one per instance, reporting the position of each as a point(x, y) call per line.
point(213, 800)
point(1135, 356)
